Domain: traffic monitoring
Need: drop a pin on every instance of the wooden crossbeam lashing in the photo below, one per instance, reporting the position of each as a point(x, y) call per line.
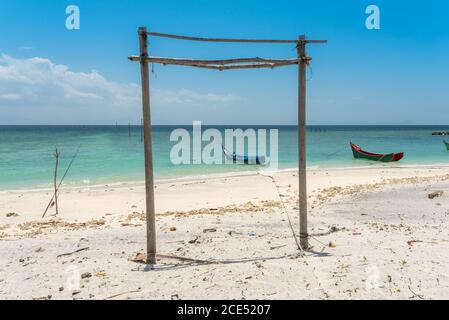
point(302, 61)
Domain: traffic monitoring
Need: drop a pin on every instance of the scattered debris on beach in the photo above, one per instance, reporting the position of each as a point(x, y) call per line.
point(435, 194)
point(327, 194)
point(35, 228)
point(139, 258)
point(12, 214)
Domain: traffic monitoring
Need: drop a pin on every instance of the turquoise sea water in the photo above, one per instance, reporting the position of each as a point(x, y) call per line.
point(110, 154)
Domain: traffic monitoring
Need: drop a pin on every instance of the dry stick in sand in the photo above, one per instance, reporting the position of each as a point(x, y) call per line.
point(60, 182)
point(189, 259)
point(420, 296)
point(322, 234)
point(70, 253)
point(120, 294)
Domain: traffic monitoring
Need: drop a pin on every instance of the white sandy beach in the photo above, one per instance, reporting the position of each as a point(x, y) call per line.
point(375, 234)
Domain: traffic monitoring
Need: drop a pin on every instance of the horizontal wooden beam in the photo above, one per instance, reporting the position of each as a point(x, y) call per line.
point(173, 36)
point(242, 66)
point(183, 61)
point(221, 64)
point(313, 41)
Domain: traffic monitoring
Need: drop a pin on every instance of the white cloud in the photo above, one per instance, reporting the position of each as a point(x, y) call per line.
point(188, 97)
point(40, 87)
point(39, 82)
point(9, 96)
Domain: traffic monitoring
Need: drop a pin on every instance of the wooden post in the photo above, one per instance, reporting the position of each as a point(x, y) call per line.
point(303, 233)
point(54, 180)
point(149, 180)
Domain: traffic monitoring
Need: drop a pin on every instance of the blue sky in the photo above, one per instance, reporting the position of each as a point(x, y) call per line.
point(396, 75)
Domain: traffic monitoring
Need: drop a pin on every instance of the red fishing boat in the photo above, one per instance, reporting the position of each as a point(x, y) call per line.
point(361, 154)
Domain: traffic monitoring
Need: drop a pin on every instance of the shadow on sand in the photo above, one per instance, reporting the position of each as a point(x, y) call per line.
point(189, 262)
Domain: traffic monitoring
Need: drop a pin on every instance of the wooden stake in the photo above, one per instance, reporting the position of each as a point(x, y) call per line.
point(303, 233)
point(54, 180)
point(149, 180)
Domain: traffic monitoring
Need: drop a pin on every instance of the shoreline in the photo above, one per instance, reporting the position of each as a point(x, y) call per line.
point(230, 174)
point(87, 202)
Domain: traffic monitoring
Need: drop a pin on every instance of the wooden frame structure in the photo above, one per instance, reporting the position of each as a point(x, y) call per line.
point(302, 60)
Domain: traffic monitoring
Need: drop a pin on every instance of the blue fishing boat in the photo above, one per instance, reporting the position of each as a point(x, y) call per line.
point(243, 159)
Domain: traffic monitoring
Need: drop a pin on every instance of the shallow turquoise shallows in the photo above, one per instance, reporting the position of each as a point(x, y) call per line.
point(110, 154)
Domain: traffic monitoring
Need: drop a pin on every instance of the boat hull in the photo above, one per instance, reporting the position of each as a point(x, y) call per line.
point(361, 154)
point(244, 159)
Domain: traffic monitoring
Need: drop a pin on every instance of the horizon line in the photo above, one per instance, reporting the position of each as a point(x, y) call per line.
point(218, 125)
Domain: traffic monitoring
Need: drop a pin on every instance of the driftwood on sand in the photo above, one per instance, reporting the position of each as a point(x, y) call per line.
point(70, 253)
